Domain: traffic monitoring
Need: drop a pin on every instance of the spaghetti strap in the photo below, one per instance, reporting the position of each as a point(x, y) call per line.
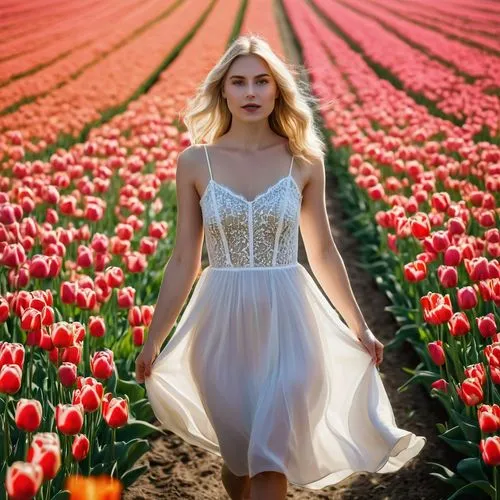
point(291, 165)
point(208, 161)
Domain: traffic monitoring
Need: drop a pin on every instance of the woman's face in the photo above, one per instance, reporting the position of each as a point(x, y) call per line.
point(249, 80)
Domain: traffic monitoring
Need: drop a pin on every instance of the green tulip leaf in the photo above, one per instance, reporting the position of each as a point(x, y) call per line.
point(136, 429)
point(473, 489)
point(454, 437)
point(132, 475)
point(472, 469)
point(131, 388)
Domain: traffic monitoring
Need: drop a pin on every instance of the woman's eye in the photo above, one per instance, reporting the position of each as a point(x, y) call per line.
point(237, 82)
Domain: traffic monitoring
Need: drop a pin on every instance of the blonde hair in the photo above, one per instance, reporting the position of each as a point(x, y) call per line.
point(208, 117)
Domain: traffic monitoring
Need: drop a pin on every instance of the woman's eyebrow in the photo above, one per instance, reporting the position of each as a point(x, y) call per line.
point(241, 76)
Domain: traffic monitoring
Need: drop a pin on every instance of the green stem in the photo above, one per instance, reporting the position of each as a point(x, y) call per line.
point(6, 430)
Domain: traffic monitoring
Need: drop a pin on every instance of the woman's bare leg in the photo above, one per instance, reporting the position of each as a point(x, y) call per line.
point(268, 485)
point(237, 487)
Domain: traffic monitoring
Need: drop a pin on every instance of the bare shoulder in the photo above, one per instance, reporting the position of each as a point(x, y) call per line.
point(190, 157)
point(189, 164)
point(309, 171)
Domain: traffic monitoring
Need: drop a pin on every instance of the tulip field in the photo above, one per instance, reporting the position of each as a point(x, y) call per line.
point(91, 99)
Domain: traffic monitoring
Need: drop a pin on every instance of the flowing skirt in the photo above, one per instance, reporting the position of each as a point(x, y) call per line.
point(262, 371)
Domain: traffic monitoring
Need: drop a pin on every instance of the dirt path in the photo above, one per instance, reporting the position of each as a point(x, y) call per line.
point(179, 470)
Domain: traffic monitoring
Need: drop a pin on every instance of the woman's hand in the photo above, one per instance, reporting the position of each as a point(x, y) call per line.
point(144, 361)
point(374, 347)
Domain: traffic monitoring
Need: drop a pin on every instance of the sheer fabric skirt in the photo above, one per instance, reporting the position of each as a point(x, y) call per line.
point(262, 371)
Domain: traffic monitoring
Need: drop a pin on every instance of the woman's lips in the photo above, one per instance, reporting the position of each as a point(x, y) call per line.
point(251, 108)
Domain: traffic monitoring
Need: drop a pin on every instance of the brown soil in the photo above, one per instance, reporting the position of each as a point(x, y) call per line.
point(180, 470)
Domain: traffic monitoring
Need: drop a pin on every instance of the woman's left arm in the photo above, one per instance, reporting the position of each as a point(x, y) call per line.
point(325, 260)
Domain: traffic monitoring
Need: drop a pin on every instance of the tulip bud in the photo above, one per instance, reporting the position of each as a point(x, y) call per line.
point(101, 364)
point(67, 374)
point(28, 414)
point(470, 391)
point(23, 480)
point(440, 385)
point(487, 325)
point(10, 379)
point(490, 450)
point(114, 411)
point(45, 450)
point(436, 352)
point(80, 447)
point(69, 418)
point(489, 417)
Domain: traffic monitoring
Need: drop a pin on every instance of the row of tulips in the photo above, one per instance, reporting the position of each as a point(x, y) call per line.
point(422, 198)
point(84, 236)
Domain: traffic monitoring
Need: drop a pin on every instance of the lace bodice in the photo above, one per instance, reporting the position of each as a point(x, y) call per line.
point(259, 233)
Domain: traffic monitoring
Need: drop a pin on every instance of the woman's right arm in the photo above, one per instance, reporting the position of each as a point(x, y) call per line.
point(182, 267)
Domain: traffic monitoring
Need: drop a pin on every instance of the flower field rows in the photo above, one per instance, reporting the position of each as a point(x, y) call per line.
point(426, 198)
point(86, 229)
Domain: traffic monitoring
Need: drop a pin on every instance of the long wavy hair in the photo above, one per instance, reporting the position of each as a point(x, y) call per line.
point(208, 117)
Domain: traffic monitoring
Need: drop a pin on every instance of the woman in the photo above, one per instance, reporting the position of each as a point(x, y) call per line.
point(261, 370)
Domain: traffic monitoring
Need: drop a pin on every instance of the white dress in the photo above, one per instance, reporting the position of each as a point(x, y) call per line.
point(261, 370)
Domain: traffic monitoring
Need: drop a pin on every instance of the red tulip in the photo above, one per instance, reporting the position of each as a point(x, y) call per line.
point(97, 326)
point(487, 325)
point(23, 480)
point(147, 314)
point(67, 373)
point(135, 262)
point(138, 335)
point(436, 352)
point(420, 225)
point(101, 364)
point(10, 379)
point(4, 310)
point(440, 241)
point(476, 371)
point(13, 255)
point(490, 450)
point(489, 417)
point(114, 276)
point(11, 354)
point(158, 229)
point(85, 257)
point(441, 385)
point(100, 243)
point(470, 391)
point(86, 298)
point(45, 450)
point(415, 271)
point(477, 268)
point(495, 374)
point(135, 316)
point(437, 309)
point(69, 418)
point(39, 267)
point(467, 298)
point(62, 334)
point(80, 447)
point(28, 414)
point(448, 276)
point(441, 201)
point(114, 411)
point(459, 324)
point(89, 396)
point(125, 297)
point(67, 292)
point(72, 354)
point(148, 245)
point(124, 231)
point(31, 319)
